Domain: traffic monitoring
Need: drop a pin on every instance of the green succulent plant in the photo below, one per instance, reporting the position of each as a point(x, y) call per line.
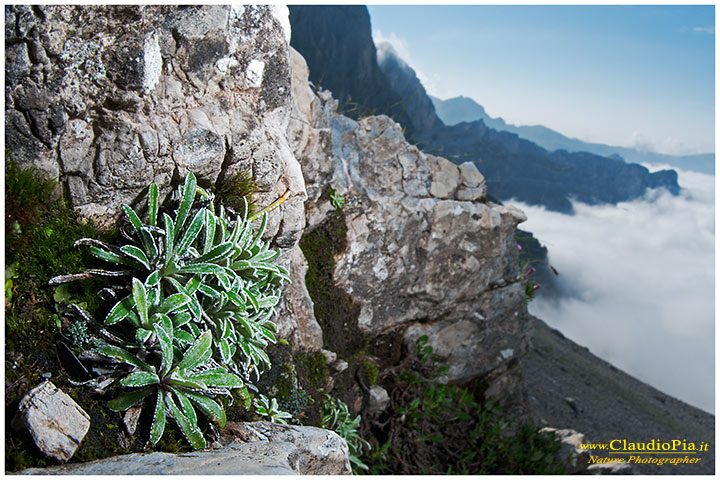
point(192, 382)
point(337, 417)
point(195, 316)
point(269, 409)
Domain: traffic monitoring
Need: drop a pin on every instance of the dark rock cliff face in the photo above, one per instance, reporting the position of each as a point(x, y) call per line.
point(415, 101)
point(514, 167)
point(336, 41)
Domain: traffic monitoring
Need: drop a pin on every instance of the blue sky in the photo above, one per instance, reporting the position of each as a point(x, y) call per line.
point(639, 76)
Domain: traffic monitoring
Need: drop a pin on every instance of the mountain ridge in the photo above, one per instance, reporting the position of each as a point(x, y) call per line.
point(464, 109)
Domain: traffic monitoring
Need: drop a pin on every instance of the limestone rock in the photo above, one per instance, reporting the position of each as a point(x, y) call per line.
point(470, 176)
point(54, 421)
point(571, 454)
point(320, 452)
point(259, 448)
point(378, 399)
point(296, 320)
point(109, 98)
point(445, 177)
point(255, 458)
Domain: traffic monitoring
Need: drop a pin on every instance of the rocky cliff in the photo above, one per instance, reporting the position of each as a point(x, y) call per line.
point(356, 81)
point(424, 253)
point(106, 99)
point(415, 100)
point(513, 166)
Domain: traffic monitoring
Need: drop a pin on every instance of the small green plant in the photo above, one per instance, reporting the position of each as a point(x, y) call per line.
point(270, 410)
point(436, 428)
point(336, 200)
point(236, 191)
point(336, 417)
point(193, 320)
point(79, 334)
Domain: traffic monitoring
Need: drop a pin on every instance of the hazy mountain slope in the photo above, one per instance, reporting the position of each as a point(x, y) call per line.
point(462, 109)
point(569, 387)
point(520, 169)
point(415, 100)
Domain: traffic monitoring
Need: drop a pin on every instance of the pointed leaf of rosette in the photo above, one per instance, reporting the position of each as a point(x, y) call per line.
point(128, 399)
point(136, 254)
point(173, 302)
point(158, 425)
point(169, 238)
point(218, 379)
point(190, 431)
point(185, 406)
point(268, 334)
point(183, 338)
point(142, 335)
point(181, 319)
point(187, 200)
point(259, 233)
point(191, 233)
point(140, 297)
point(202, 268)
point(164, 332)
point(148, 242)
point(153, 194)
point(140, 379)
point(193, 305)
point(120, 311)
point(176, 380)
point(210, 222)
point(112, 257)
point(198, 353)
point(209, 407)
point(225, 351)
point(192, 285)
point(127, 357)
point(153, 279)
point(133, 217)
point(217, 254)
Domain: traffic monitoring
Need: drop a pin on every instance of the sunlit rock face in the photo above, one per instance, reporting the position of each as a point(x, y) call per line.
point(107, 99)
point(426, 253)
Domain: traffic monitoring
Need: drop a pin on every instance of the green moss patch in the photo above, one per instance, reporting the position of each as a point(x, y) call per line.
point(335, 310)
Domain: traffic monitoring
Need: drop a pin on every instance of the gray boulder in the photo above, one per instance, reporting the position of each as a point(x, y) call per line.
point(55, 422)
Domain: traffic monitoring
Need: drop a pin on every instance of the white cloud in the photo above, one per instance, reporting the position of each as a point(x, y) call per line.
point(667, 145)
point(646, 273)
point(708, 30)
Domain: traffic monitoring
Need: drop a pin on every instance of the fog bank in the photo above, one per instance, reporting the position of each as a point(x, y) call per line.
point(645, 276)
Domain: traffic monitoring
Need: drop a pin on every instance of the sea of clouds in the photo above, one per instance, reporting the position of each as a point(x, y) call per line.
point(643, 277)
